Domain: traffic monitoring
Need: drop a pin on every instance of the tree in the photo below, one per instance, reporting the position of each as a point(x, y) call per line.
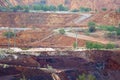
point(92, 26)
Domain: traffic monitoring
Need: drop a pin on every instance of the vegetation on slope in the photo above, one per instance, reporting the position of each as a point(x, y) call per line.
point(98, 46)
point(34, 7)
point(86, 77)
point(110, 28)
point(9, 34)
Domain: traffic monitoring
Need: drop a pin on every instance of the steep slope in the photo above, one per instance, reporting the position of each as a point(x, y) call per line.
point(104, 18)
point(72, 4)
point(109, 18)
point(35, 19)
point(4, 3)
point(95, 4)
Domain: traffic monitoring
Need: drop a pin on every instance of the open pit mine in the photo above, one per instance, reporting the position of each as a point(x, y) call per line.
point(59, 65)
point(59, 39)
point(59, 61)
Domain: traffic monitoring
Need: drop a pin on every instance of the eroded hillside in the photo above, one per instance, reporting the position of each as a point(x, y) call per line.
point(110, 18)
point(55, 20)
point(35, 19)
point(104, 18)
point(72, 4)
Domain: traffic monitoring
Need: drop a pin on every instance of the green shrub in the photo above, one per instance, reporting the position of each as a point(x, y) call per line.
point(104, 27)
point(118, 10)
point(98, 46)
point(89, 45)
point(84, 9)
point(104, 9)
point(9, 34)
point(82, 77)
point(41, 7)
point(111, 35)
point(91, 77)
point(62, 8)
point(52, 8)
point(26, 9)
point(75, 10)
point(16, 8)
point(92, 45)
point(107, 27)
point(37, 7)
point(86, 77)
point(34, 7)
point(92, 29)
point(23, 77)
point(118, 31)
point(87, 32)
point(3, 9)
point(110, 28)
point(92, 26)
point(75, 45)
point(110, 46)
point(119, 25)
point(62, 31)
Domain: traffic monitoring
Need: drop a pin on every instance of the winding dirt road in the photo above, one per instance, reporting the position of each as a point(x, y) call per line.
point(81, 36)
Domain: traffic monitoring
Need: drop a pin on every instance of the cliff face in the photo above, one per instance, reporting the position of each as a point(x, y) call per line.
point(72, 4)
